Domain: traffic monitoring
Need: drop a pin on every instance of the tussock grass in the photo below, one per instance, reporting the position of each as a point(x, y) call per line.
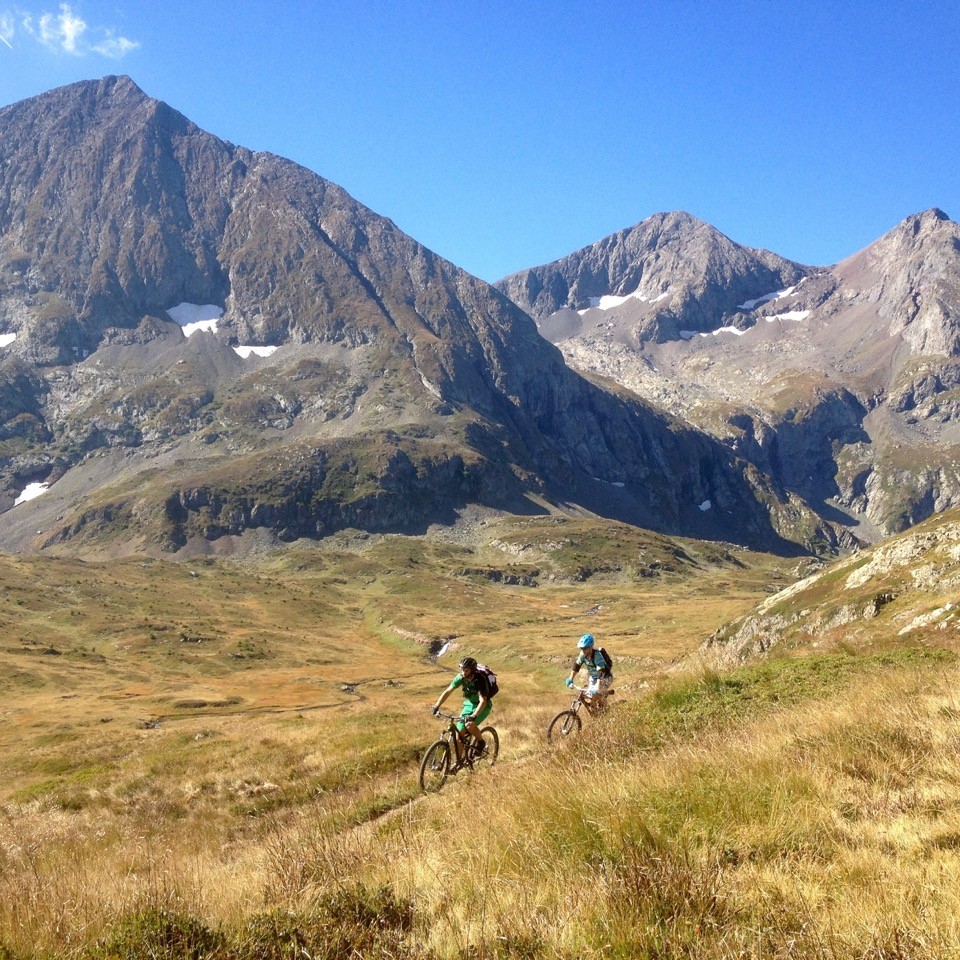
point(808, 807)
point(807, 811)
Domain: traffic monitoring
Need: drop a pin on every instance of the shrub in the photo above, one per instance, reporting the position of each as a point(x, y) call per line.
point(160, 934)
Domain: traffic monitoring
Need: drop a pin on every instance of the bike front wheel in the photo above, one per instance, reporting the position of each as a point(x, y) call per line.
point(492, 743)
point(563, 725)
point(435, 766)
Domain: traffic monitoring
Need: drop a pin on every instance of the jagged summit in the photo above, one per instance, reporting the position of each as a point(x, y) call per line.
point(928, 226)
point(912, 274)
point(677, 272)
point(71, 107)
point(933, 213)
point(119, 87)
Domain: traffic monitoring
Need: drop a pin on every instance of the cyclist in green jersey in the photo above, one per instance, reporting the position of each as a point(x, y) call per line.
point(476, 698)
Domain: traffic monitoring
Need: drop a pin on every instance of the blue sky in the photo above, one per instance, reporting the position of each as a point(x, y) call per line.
point(507, 134)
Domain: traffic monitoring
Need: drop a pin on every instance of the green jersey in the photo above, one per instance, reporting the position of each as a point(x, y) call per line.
point(474, 688)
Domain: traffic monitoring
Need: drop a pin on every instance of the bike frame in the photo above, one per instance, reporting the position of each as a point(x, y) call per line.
point(452, 734)
point(594, 702)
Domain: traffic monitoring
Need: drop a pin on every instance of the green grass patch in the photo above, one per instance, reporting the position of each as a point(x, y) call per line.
point(687, 707)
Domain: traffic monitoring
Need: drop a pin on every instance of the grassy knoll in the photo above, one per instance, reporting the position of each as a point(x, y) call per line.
point(216, 759)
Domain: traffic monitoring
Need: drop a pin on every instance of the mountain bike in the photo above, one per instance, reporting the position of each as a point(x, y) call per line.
point(448, 754)
point(567, 722)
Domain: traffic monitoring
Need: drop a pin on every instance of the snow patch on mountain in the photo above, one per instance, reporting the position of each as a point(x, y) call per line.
point(609, 301)
point(690, 334)
point(6, 339)
point(713, 333)
point(776, 295)
point(246, 350)
point(32, 491)
point(789, 315)
point(194, 316)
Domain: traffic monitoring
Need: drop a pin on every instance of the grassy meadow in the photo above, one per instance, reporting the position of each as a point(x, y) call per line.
point(218, 759)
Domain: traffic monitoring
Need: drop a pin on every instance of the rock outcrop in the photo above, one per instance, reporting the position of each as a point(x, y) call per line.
point(904, 587)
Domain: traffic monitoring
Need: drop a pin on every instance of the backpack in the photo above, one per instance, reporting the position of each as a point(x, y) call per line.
point(492, 687)
point(606, 656)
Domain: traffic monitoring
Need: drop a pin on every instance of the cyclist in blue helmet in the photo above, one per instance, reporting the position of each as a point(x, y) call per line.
point(599, 665)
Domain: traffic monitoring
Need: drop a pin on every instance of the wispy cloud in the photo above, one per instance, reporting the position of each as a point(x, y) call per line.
point(7, 29)
point(114, 47)
point(65, 31)
point(62, 30)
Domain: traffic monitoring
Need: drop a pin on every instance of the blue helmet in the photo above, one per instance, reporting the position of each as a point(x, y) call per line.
point(586, 641)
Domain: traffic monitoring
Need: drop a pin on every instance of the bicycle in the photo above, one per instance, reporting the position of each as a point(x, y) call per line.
point(437, 765)
point(567, 722)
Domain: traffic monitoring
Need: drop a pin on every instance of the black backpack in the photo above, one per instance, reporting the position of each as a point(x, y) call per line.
point(606, 656)
point(492, 687)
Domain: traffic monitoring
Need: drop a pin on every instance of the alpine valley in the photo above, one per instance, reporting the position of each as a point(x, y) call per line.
point(269, 469)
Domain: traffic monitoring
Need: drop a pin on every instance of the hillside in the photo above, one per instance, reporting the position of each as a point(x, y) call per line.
point(219, 759)
point(205, 712)
point(906, 590)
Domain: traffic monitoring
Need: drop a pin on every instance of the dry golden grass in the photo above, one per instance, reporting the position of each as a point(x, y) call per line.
point(810, 809)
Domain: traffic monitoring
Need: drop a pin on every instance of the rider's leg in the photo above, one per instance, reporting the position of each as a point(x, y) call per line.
point(604, 682)
point(463, 731)
point(473, 724)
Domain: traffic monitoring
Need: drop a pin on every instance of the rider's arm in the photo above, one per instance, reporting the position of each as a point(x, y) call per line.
point(443, 696)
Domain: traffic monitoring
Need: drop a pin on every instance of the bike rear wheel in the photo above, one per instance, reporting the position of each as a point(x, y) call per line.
point(492, 742)
point(564, 725)
point(435, 766)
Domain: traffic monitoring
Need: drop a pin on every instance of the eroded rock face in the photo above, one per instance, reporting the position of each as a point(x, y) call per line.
point(114, 208)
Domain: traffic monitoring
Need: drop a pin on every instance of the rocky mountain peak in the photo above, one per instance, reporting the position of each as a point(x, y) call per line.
point(931, 226)
point(844, 385)
point(912, 274)
point(677, 272)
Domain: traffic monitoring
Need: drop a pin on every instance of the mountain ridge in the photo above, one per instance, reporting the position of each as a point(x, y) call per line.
point(374, 333)
point(672, 257)
point(825, 384)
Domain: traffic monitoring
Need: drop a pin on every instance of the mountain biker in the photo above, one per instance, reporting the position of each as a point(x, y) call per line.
point(591, 657)
point(476, 699)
